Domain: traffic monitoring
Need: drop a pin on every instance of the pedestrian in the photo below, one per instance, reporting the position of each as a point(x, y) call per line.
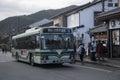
point(104, 48)
point(72, 56)
point(81, 51)
point(3, 50)
point(99, 50)
point(74, 51)
point(89, 48)
point(93, 51)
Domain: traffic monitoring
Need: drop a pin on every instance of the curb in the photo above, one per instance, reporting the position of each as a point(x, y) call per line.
point(111, 65)
point(104, 64)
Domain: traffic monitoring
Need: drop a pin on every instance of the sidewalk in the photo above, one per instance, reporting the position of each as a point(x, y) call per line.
point(107, 62)
point(6, 57)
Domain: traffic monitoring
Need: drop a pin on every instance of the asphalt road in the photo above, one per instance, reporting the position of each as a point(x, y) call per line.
point(12, 70)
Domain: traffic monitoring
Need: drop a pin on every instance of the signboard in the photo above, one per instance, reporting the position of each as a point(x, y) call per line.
point(115, 23)
point(56, 30)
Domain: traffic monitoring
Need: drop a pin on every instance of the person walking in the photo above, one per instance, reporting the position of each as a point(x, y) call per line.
point(89, 49)
point(3, 50)
point(81, 51)
point(104, 49)
point(72, 56)
point(99, 50)
point(74, 51)
point(93, 51)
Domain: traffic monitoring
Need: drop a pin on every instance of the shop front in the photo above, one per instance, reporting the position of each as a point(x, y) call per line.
point(114, 31)
point(112, 20)
point(99, 33)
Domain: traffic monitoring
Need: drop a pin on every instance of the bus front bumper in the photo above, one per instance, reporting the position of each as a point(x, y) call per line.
point(55, 61)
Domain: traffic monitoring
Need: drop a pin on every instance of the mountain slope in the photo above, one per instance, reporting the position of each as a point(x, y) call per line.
point(16, 23)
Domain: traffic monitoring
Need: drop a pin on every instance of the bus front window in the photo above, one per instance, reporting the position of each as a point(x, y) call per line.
point(57, 41)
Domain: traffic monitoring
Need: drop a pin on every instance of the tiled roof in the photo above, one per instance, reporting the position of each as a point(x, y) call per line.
point(76, 9)
point(40, 23)
point(89, 5)
point(64, 12)
point(109, 14)
point(99, 28)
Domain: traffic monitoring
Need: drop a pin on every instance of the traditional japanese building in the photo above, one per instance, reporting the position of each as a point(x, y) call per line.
point(81, 19)
point(112, 21)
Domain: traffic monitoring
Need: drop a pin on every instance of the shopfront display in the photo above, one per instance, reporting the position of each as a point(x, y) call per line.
point(116, 43)
point(112, 20)
point(115, 37)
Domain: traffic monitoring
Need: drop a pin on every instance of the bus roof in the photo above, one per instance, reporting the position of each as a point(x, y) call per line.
point(27, 33)
point(33, 31)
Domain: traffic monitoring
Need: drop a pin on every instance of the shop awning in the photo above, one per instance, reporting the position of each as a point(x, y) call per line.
point(97, 29)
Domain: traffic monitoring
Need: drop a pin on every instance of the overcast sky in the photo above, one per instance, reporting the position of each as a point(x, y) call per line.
point(26, 7)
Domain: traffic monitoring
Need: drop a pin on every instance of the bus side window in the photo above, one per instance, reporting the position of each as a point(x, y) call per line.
point(42, 42)
point(32, 42)
point(37, 42)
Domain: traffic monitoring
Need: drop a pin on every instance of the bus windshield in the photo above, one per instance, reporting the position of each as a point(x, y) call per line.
point(57, 41)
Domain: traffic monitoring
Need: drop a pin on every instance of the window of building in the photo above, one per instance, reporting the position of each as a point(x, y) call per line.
point(116, 4)
point(96, 13)
point(110, 4)
point(116, 37)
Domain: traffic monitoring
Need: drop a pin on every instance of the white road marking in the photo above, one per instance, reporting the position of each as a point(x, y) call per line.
point(4, 61)
point(6, 57)
point(98, 69)
point(93, 68)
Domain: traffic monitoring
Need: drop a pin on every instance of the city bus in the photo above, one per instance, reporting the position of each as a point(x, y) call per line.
point(44, 45)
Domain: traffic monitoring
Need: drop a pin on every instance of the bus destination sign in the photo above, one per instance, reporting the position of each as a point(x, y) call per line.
point(56, 30)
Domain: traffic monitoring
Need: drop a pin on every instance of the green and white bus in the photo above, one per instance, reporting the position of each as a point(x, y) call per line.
point(45, 45)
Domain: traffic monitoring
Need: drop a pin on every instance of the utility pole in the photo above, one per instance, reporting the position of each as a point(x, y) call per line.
point(118, 3)
point(103, 6)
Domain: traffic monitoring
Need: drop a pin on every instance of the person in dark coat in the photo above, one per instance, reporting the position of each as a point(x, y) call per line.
point(99, 50)
point(74, 51)
point(89, 49)
point(3, 50)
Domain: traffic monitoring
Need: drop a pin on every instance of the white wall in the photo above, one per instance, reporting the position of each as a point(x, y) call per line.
point(87, 19)
point(73, 20)
point(56, 21)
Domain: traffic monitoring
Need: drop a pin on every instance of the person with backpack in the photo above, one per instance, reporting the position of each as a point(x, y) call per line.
point(81, 51)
